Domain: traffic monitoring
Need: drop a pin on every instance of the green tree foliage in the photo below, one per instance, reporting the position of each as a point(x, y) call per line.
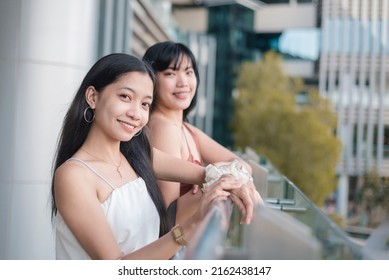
point(298, 139)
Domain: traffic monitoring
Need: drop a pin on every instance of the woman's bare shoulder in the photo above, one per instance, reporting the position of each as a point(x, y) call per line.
point(70, 167)
point(71, 173)
point(158, 124)
point(166, 136)
point(198, 132)
point(192, 127)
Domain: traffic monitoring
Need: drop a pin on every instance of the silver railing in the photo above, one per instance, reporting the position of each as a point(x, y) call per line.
point(209, 239)
point(287, 226)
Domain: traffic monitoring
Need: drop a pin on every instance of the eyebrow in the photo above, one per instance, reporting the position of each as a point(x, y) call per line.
point(132, 90)
point(175, 68)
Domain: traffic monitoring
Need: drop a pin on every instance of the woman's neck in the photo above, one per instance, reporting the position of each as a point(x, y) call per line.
point(101, 146)
point(174, 116)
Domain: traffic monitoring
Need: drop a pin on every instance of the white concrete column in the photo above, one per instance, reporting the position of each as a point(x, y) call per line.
point(46, 47)
point(342, 196)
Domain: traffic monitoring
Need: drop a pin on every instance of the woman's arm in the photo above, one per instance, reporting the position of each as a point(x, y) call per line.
point(211, 151)
point(191, 210)
point(78, 203)
point(170, 168)
point(80, 207)
point(245, 198)
point(170, 190)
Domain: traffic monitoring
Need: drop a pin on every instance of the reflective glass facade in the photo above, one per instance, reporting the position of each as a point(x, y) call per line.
point(231, 25)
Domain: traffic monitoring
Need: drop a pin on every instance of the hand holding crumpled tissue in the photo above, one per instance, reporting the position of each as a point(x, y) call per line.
point(213, 173)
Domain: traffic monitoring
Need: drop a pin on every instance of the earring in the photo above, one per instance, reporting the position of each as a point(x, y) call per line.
point(85, 115)
point(139, 132)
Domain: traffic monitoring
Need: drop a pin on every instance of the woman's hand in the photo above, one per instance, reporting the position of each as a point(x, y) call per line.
point(218, 191)
point(246, 199)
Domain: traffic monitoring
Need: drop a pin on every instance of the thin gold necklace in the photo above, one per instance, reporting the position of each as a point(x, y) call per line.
point(117, 166)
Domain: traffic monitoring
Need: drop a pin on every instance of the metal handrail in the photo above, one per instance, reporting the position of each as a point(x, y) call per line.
point(306, 222)
point(209, 238)
point(280, 201)
point(287, 208)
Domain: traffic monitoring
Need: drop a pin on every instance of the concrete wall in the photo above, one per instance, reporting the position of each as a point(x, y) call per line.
point(277, 18)
point(46, 47)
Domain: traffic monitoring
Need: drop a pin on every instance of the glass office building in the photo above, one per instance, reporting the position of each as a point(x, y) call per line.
point(231, 25)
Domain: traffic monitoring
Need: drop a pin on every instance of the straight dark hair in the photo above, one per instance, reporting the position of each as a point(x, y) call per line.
point(161, 55)
point(75, 129)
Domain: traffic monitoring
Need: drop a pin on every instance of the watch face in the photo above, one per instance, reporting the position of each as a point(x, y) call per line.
point(177, 232)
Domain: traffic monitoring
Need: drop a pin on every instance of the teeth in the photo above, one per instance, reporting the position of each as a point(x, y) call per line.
point(127, 125)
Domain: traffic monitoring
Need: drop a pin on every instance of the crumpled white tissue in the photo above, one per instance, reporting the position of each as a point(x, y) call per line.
point(213, 173)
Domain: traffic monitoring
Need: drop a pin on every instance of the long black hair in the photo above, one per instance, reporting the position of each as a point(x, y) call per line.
point(161, 55)
point(75, 129)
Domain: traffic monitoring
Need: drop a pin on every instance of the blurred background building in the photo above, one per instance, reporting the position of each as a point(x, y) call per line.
point(244, 30)
point(354, 75)
point(340, 46)
point(47, 46)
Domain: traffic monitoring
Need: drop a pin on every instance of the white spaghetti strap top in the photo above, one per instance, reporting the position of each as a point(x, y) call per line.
point(130, 212)
point(93, 170)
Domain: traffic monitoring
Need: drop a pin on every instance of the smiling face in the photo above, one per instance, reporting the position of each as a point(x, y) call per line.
point(176, 86)
point(122, 108)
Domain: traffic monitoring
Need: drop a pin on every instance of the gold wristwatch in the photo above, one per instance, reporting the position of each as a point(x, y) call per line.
point(178, 235)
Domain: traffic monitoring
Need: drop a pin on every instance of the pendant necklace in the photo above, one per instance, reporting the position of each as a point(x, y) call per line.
point(117, 166)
